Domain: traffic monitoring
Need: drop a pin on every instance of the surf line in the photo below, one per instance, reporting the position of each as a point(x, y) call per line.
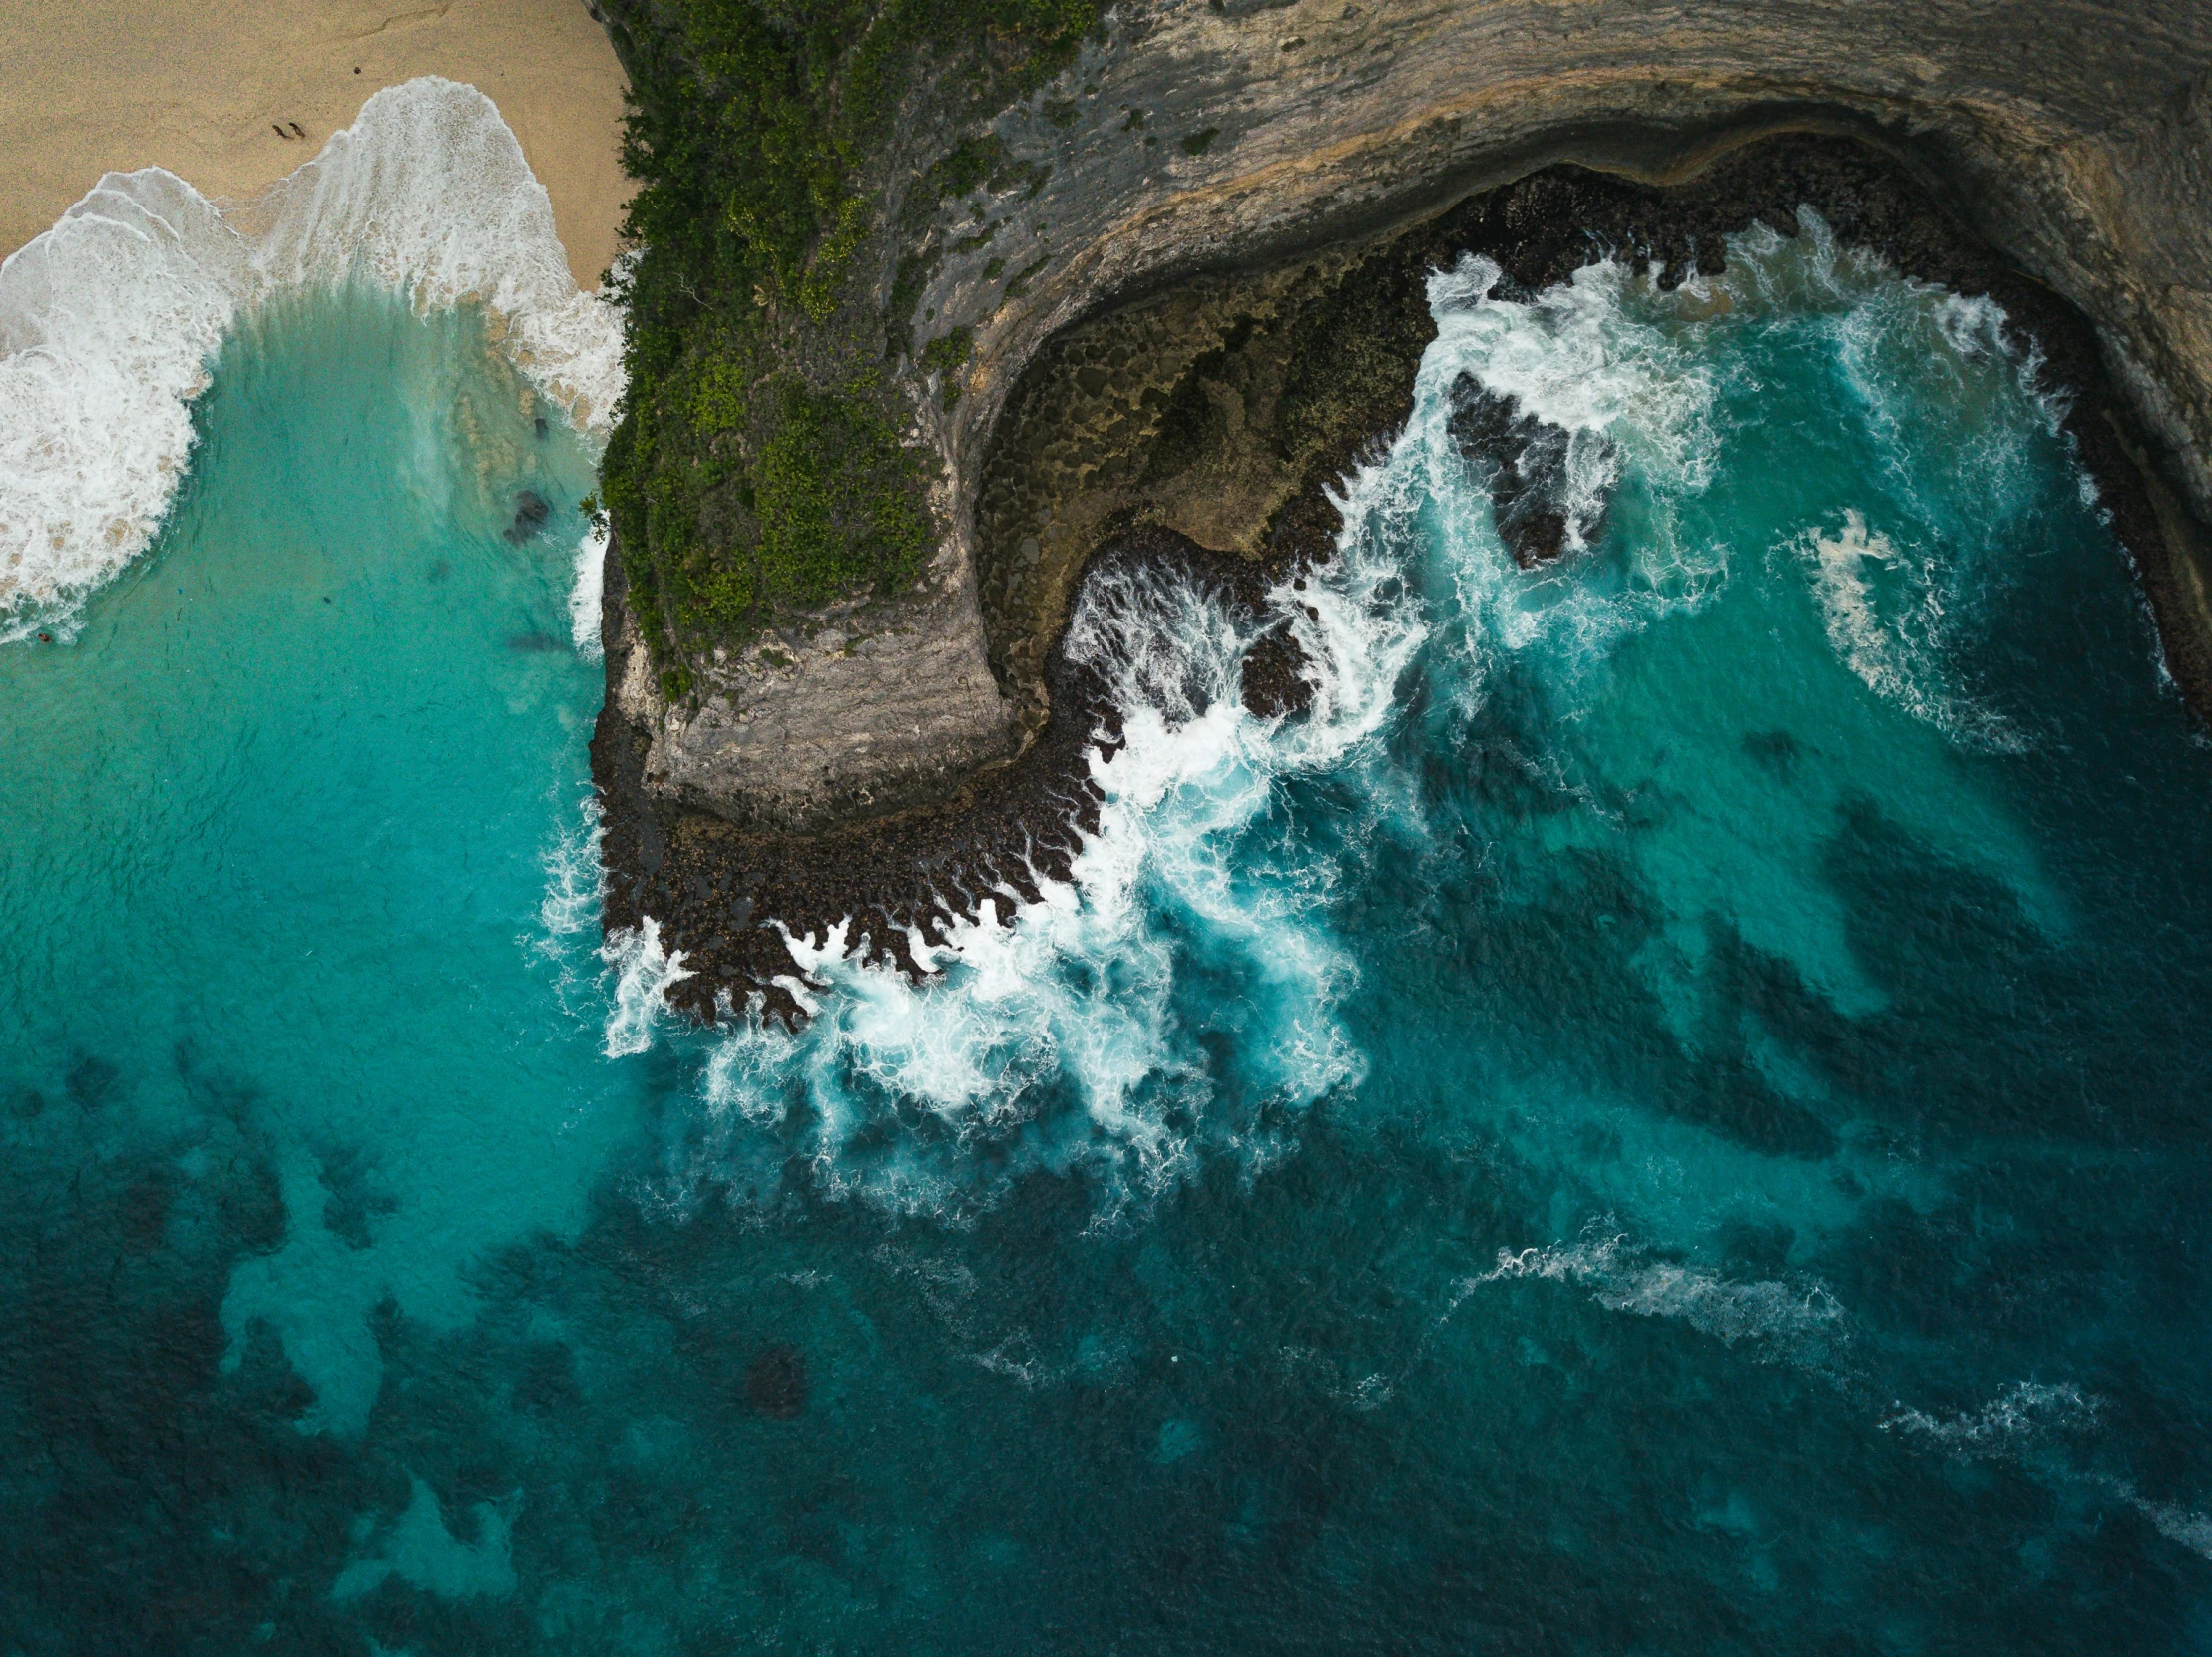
point(108, 320)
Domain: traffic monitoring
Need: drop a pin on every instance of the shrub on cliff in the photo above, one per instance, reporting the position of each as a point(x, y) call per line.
point(757, 465)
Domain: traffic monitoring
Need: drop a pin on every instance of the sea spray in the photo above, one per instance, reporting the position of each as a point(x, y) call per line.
point(585, 594)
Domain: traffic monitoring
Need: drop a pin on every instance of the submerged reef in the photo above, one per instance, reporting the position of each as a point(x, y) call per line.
point(1205, 424)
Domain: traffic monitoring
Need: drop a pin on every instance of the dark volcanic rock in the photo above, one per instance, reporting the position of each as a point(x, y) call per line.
point(1275, 682)
point(722, 892)
point(1521, 459)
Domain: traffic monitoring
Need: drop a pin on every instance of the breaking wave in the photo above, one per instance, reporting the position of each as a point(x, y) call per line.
point(642, 972)
point(2022, 1415)
point(1635, 398)
point(1176, 998)
point(2030, 1417)
point(586, 593)
point(576, 877)
point(108, 320)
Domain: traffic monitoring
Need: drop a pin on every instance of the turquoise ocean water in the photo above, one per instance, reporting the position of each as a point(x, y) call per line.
point(1668, 1116)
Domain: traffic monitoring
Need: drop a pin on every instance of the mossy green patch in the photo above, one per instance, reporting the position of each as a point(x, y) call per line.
point(1021, 282)
point(834, 499)
point(946, 357)
point(758, 464)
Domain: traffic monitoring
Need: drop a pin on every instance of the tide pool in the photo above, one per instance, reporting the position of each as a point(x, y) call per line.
point(1667, 1116)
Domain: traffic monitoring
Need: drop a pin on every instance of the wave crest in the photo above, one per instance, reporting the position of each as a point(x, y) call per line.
point(1802, 1322)
point(109, 319)
point(1890, 619)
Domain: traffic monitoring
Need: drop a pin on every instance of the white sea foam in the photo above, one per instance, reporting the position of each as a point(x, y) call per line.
point(586, 593)
point(2183, 1525)
point(1800, 1321)
point(108, 321)
point(576, 877)
point(1845, 589)
point(1889, 617)
point(1060, 1034)
point(2022, 1415)
point(1631, 394)
point(1580, 356)
point(642, 975)
point(2030, 1415)
point(1632, 375)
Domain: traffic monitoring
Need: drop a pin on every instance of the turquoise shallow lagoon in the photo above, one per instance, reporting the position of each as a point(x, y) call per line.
point(1668, 1116)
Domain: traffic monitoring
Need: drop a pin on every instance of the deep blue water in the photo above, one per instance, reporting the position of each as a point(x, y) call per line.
point(1667, 1116)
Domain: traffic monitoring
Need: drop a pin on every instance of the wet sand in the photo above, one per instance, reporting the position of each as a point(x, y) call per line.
point(202, 86)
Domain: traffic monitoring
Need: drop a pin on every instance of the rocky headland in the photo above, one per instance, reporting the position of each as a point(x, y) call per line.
point(1146, 293)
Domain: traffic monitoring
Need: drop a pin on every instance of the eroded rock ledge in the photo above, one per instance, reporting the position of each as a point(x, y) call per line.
point(1200, 424)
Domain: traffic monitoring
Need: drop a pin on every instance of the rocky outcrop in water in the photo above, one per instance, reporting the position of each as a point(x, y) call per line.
point(531, 512)
point(1521, 459)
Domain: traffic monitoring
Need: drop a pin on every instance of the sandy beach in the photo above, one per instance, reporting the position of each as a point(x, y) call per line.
point(213, 89)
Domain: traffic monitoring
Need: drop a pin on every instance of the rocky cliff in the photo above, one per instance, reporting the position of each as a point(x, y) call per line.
point(1184, 288)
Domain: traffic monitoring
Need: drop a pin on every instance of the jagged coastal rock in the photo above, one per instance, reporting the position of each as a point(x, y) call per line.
point(1523, 461)
point(1182, 289)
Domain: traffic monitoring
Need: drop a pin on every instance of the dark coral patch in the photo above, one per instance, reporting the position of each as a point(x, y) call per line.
point(775, 1382)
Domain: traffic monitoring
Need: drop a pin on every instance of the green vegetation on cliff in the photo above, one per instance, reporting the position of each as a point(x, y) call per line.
point(758, 465)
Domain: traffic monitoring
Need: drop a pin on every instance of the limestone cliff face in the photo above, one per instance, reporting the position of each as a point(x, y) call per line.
point(869, 708)
point(1261, 145)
